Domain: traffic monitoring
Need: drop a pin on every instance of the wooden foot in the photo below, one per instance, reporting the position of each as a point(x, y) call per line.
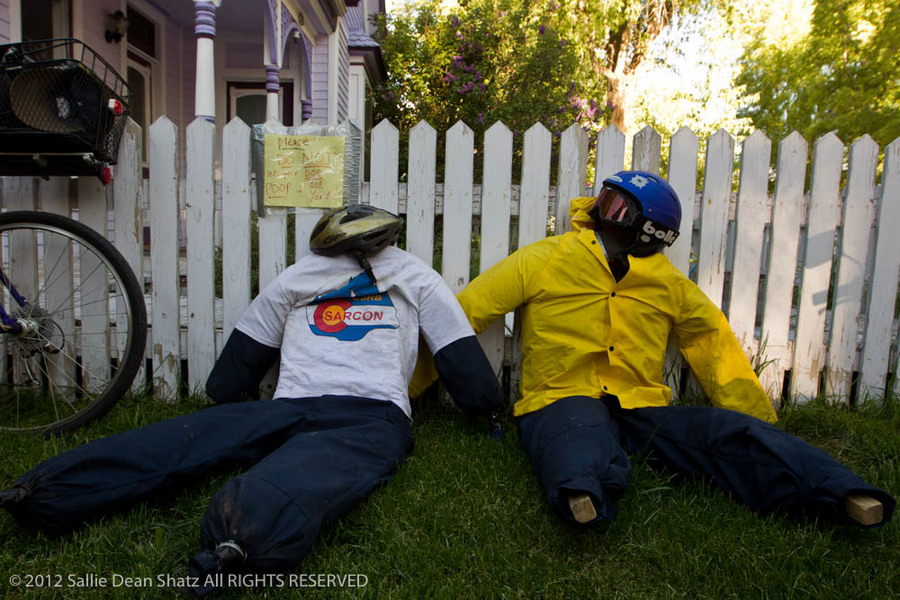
point(582, 508)
point(864, 509)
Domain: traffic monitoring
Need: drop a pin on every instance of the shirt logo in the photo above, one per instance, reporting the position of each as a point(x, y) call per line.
point(351, 312)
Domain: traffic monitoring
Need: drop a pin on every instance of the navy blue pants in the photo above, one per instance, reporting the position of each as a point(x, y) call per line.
point(581, 444)
point(313, 460)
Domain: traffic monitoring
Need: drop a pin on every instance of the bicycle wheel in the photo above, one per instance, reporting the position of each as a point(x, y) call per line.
point(81, 323)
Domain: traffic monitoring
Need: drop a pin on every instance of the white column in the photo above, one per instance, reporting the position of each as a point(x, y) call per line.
point(205, 78)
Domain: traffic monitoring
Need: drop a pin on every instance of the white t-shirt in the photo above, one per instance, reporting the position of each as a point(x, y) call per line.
point(339, 335)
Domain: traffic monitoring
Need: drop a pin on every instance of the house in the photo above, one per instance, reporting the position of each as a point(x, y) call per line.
point(256, 59)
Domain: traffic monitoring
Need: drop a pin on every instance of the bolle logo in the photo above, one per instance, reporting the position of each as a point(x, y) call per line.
point(667, 236)
point(335, 237)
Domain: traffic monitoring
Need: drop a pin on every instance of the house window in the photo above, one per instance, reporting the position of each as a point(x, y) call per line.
point(142, 69)
point(44, 19)
point(247, 100)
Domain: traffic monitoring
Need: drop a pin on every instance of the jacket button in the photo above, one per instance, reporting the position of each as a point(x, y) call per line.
point(605, 388)
point(612, 295)
point(611, 348)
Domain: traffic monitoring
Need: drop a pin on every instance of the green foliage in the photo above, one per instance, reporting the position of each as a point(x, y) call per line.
point(483, 62)
point(843, 75)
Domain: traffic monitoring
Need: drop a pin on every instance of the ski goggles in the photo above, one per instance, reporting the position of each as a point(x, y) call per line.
point(615, 207)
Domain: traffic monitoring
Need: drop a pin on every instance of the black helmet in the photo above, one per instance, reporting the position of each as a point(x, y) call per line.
point(355, 228)
point(358, 229)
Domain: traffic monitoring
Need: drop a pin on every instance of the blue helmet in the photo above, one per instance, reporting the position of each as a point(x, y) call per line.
point(642, 203)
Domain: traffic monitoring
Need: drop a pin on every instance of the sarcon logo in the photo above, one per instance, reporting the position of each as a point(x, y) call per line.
point(667, 236)
point(352, 311)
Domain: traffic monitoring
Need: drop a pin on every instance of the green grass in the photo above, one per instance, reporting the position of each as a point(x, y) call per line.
point(465, 518)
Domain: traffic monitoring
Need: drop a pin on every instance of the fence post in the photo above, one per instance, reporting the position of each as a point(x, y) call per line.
point(495, 213)
point(610, 155)
point(824, 211)
point(199, 209)
point(127, 214)
point(848, 290)
point(572, 173)
point(384, 160)
point(458, 174)
point(93, 212)
point(874, 363)
point(646, 150)
point(787, 215)
point(165, 301)
point(235, 223)
point(750, 217)
point(714, 215)
point(420, 192)
point(534, 200)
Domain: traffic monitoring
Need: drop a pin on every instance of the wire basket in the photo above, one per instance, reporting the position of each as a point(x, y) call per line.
point(56, 99)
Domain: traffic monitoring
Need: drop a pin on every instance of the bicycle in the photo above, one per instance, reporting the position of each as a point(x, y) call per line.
point(73, 323)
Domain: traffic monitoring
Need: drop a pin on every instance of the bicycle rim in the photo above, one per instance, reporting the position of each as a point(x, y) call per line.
point(85, 324)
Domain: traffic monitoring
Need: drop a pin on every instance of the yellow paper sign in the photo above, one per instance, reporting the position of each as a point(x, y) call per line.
point(304, 170)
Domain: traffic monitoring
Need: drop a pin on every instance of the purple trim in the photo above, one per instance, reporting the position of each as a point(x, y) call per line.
point(205, 19)
point(272, 79)
point(272, 24)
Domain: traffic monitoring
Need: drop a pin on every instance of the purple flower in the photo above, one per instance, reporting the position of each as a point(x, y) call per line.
point(459, 34)
point(542, 30)
point(481, 118)
point(483, 86)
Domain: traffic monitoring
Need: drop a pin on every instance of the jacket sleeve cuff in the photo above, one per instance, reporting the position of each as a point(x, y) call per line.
point(467, 375)
point(239, 369)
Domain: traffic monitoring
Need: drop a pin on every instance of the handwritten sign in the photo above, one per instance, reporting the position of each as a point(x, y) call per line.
point(304, 171)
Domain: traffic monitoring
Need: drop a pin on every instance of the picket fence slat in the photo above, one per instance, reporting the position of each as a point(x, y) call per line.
point(165, 300)
point(572, 169)
point(646, 150)
point(495, 219)
point(127, 225)
point(787, 214)
point(534, 202)
point(384, 163)
point(767, 258)
point(458, 206)
point(420, 192)
point(824, 212)
point(610, 155)
point(714, 215)
point(55, 197)
point(92, 211)
point(199, 207)
point(883, 295)
point(856, 230)
point(750, 221)
point(235, 223)
point(683, 178)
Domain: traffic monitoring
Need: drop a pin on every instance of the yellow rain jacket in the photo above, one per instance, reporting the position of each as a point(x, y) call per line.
point(584, 334)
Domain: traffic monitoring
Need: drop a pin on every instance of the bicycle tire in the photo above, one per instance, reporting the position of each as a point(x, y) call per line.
point(87, 324)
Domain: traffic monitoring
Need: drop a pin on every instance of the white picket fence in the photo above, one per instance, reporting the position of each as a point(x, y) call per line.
point(807, 274)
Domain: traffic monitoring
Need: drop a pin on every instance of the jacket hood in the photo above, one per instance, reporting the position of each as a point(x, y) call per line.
point(578, 212)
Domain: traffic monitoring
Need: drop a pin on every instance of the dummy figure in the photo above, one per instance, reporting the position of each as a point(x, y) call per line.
point(345, 322)
point(597, 306)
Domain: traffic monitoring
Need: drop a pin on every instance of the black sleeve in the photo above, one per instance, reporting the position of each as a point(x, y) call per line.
point(467, 374)
point(239, 369)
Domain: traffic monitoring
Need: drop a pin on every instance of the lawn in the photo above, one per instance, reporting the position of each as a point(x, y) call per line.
point(465, 518)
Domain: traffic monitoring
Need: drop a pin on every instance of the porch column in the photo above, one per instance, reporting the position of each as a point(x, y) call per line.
point(205, 79)
point(272, 80)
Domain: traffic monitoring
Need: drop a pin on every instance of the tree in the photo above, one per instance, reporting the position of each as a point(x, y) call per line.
point(488, 60)
point(841, 75)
